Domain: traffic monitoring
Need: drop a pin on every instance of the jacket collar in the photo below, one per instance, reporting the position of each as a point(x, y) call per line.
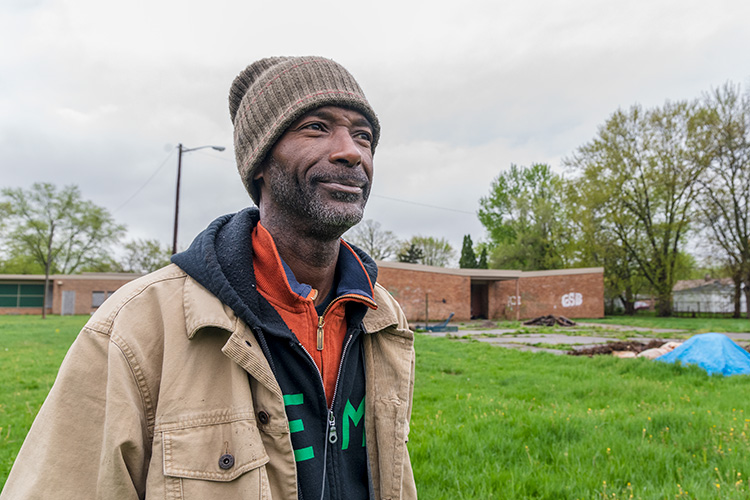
point(203, 309)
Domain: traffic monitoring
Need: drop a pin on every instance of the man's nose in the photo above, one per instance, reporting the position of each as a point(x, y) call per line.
point(344, 149)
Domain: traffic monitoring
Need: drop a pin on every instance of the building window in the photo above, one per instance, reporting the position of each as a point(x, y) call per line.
point(21, 295)
point(98, 298)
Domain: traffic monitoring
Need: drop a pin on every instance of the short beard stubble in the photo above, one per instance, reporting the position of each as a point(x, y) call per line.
point(305, 203)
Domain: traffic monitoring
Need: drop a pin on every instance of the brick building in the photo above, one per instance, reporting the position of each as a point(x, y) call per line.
point(423, 292)
point(436, 292)
point(68, 293)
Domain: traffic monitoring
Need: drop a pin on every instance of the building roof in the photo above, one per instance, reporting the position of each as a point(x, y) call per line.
point(700, 283)
point(488, 274)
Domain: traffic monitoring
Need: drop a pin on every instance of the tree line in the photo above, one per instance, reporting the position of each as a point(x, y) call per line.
point(631, 200)
point(651, 182)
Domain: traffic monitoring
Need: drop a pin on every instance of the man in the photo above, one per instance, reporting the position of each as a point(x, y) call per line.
point(265, 362)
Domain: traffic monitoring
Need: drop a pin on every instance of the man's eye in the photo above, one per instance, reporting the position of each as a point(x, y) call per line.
point(314, 126)
point(366, 136)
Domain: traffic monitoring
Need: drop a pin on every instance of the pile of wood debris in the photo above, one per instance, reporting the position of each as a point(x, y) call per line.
point(550, 320)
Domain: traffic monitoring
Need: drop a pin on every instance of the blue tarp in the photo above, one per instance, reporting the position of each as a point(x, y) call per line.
point(714, 352)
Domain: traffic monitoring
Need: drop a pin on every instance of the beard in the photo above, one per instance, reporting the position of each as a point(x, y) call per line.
point(323, 214)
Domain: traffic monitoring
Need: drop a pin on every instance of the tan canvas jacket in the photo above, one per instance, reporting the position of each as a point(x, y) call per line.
point(154, 392)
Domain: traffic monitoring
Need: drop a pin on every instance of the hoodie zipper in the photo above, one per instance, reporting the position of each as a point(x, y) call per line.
point(321, 318)
point(331, 432)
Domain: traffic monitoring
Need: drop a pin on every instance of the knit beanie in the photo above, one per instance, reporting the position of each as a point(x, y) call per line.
point(272, 93)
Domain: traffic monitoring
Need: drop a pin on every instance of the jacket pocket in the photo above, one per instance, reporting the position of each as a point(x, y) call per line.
point(218, 460)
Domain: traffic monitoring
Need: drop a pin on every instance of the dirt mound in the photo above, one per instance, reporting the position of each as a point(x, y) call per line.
point(609, 347)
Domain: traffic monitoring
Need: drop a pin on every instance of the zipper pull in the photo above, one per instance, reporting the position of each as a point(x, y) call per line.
point(332, 435)
point(320, 333)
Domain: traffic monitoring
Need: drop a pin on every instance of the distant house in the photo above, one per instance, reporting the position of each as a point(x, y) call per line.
point(712, 296)
point(68, 293)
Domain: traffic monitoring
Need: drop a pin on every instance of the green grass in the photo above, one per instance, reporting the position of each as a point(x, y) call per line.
point(496, 423)
point(693, 325)
point(31, 350)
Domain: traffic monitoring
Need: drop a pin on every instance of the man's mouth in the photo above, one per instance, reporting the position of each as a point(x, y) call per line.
point(352, 185)
point(339, 186)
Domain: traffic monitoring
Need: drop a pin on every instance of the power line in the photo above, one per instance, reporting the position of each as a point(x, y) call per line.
point(145, 183)
point(424, 204)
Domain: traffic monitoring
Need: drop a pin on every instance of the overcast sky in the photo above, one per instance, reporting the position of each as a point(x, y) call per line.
point(99, 93)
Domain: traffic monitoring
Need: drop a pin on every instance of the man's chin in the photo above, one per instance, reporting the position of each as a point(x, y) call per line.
point(334, 219)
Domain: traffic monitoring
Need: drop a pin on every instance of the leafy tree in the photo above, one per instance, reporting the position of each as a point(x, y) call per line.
point(145, 256)
point(378, 243)
point(20, 264)
point(638, 179)
point(435, 251)
point(410, 253)
point(598, 245)
point(468, 258)
point(523, 215)
point(60, 230)
point(725, 196)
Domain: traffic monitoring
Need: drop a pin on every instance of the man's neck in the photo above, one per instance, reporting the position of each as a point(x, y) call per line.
point(312, 261)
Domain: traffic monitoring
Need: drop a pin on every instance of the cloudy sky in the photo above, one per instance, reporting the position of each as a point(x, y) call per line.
point(99, 93)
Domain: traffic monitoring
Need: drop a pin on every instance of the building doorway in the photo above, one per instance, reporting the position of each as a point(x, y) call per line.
point(480, 301)
point(68, 303)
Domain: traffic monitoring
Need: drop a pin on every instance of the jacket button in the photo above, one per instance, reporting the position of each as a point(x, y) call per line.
point(226, 461)
point(263, 417)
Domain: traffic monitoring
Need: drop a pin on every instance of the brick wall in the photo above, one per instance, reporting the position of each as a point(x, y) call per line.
point(84, 288)
point(573, 293)
point(36, 311)
point(446, 293)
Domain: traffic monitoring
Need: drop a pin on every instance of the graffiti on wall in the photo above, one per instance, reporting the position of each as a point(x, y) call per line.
point(514, 300)
point(572, 299)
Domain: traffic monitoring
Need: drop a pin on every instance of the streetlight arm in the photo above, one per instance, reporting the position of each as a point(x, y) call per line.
point(217, 148)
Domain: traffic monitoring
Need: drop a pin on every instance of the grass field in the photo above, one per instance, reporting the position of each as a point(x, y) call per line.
point(694, 325)
point(496, 423)
point(31, 350)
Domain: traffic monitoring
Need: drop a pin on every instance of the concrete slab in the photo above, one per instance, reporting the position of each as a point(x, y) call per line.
point(524, 342)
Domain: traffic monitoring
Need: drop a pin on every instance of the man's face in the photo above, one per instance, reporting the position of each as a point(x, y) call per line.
point(319, 172)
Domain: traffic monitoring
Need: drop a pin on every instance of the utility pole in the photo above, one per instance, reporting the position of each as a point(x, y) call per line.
point(180, 150)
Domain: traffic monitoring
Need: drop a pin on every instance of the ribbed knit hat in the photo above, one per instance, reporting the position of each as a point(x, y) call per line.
point(272, 93)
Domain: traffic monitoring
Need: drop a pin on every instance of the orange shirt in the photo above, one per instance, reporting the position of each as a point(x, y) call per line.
point(322, 337)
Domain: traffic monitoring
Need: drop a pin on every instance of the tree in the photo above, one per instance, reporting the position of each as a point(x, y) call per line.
point(482, 264)
point(639, 179)
point(378, 243)
point(598, 245)
point(524, 217)
point(428, 251)
point(410, 254)
point(468, 258)
point(61, 231)
point(725, 196)
point(145, 256)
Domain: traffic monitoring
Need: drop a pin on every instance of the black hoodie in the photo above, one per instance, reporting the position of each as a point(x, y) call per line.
point(329, 443)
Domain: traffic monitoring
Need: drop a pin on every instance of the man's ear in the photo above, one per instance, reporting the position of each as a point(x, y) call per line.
point(259, 178)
